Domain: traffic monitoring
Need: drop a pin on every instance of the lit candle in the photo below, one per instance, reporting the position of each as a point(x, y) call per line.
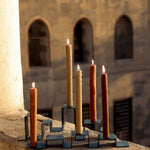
point(93, 92)
point(33, 115)
point(105, 109)
point(69, 74)
point(78, 100)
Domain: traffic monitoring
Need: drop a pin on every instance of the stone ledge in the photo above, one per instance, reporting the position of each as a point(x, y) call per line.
point(12, 129)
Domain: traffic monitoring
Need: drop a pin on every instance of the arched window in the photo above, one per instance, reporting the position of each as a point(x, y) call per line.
point(83, 41)
point(39, 53)
point(123, 38)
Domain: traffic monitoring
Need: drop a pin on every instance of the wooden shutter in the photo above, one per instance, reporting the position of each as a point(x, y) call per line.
point(46, 112)
point(86, 111)
point(123, 119)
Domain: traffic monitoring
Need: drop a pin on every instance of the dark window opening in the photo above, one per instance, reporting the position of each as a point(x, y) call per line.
point(123, 119)
point(86, 111)
point(39, 44)
point(46, 112)
point(83, 41)
point(123, 38)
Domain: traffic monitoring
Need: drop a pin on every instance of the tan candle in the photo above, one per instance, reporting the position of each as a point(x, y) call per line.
point(69, 74)
point(105, 105)
point(78, 100)
point(33, 115)
point(93, 92)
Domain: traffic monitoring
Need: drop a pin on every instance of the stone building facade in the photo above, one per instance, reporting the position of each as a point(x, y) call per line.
point(113, 33)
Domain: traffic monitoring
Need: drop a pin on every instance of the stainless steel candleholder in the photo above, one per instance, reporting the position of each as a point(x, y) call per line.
point(95, 125)
point(93, 142)
point(65, 107)
point(52, 138)
point(39, 145)
point(79, 136)
point(26, 120)
point(113, 137)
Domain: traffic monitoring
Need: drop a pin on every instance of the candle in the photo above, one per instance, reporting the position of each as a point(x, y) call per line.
point(93, 92)
point(33, 115)
point(105, 111)
point(78, 100)
point(69, 74)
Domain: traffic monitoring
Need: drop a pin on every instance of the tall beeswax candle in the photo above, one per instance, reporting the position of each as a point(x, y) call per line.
point(78, 100)
point(69, 74)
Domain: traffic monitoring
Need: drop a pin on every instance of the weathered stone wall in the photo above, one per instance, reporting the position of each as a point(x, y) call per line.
point(127, 78)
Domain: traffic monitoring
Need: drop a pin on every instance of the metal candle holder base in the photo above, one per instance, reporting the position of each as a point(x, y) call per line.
point(99, 137)
point(79, 136)
point(65, 107)
point(59, 137)
point(113, 137)
point(95, 125)
point(94, 144)
point(38, 146)
point(66, 143)
point(27, 137)
point(45, 123)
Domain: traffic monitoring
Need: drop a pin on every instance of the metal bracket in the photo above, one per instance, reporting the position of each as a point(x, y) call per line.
point(45, 122)
point(94, 144)
point(122, 144)
point(26, 126)
point(114, 137)
point(66, 143)
point(94, 124)
point(38, 146)
point(111, 137)
point(58, 137)
point(62, 113)
point(56, 129)
point(80, 136)
point(27, 137)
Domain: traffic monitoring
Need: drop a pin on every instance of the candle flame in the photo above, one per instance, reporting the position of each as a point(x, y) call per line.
point(78, 67)
point(68, 42)
point(92, 62)
point(33, 84)
point(103, 69)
